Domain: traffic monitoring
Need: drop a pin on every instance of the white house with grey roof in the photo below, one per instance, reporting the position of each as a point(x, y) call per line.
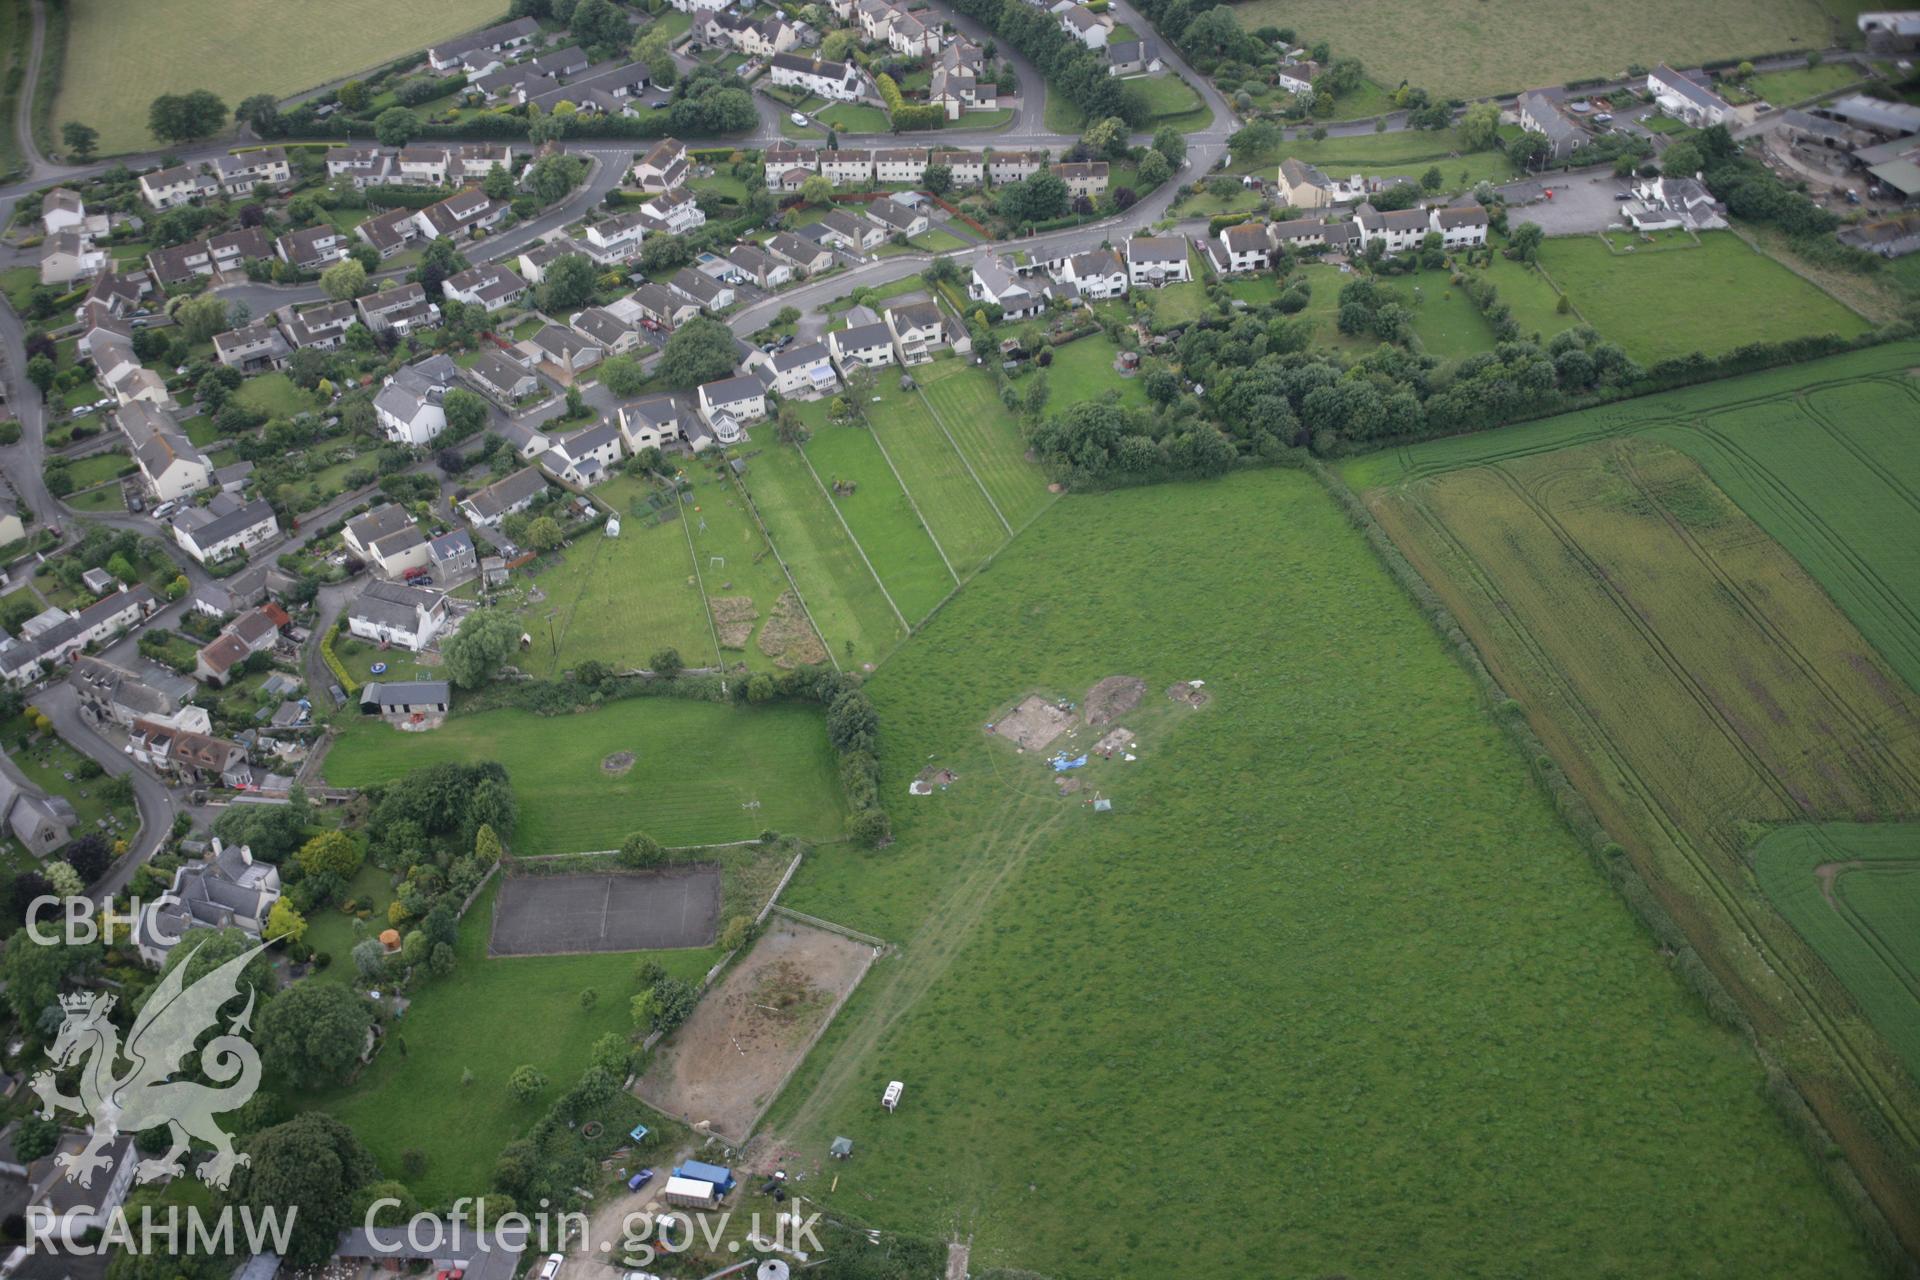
point(918, 330)
point(224, 527)
point(409, 404)
point(729, 405)
point(1687, 99)
point(1158, 260)
point(226, 889)
point(504, 497)
point(1540, 114)
point(803, 370)
point(584, 458)
point(1097, 273)
point(393, 613)
point(861, 346)
point(653, 422)
point(489, 286)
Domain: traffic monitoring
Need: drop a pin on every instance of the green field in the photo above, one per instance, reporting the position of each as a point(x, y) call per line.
point(845, 599)
point(623, 599)
point(116, 65)
point(1436, 1034)
point(1751, 297)
point(879, 514)
point(697, 766)
point(1801, 84)
point(952, 501)
point(963, 400)
point(1853, 892)
point(1461, 48)
point(1083, 370)
point(1447, 323)
point(1535, 304)
point(1172, 101)
point(274, 393)
point(491, 1017)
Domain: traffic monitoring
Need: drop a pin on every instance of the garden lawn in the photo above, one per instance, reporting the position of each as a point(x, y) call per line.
point(963, 400)
point(330, 929)
point(951, 500)
point(843, 595)
point(1461, 48)
point(731, 554)
point(880, 516)
point(1534, 303)
point(1750, 297)
point(1388, 963)
point(98, 468)
point(47, 763)
point(275, 394)
point(1083, 370)
point(1801, 84)
point(851, 117)
point(621, 600)
point(696, 764)
point(114, 68)
point(937, 240)
point(1171, 100)
point(489, 1017)
point(1448, 324)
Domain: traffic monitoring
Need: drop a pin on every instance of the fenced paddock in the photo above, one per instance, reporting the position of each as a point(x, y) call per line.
point(629, 911)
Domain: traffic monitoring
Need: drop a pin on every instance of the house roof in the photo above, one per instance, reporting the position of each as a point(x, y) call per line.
point(727, 391)
point(404, 693)
point(1298, 173)
point(694, 284)
point(455, 545)
point(1692, 90)
point(798, 356)
point(861, 337)
point(894, 214)
point(393, 604)
point(810, 66)
point(1157, 249)
point(218, 520)
point(509, 491)
point(497, 369)
point(602, 326)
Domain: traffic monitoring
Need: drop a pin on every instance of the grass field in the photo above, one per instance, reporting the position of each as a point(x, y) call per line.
point(1695, 675)
point(1083, 370)
point(491, 1017)
point(731, 555)
point(115, 67)
point(1439, 1024)
point(1465, 49)
point(1751, 297)
point(1448, 324)
point(1534, 302)
point(955, 506)
point(1171, 100)
point(1408, 152)
point(696, 765)
point(849, 608)
point(623, 599)
point(963, 400)
point(1785, 88)
point(274, 393)
point(1853, 892)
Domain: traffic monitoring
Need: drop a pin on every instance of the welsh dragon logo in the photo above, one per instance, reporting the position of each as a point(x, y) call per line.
point(144, 1096)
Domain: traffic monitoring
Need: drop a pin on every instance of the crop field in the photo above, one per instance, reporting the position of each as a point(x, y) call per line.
point(1430, 980)
point(957, 509)
point(1461, 48)
point(115, 67)
point(702, 773)
point(965, 402)
point(1853, 892)
point(879, 514)
point(1751, 297)
point(1703, 602)
point(733, 561)
point(623, 599)
point(853, 614)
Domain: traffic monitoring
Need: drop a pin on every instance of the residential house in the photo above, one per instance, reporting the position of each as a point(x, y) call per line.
point(364, 166)
point(226, 889)
point(61, 209)
point(729, 405)
point(958, 92)
point(1241, 248)
point(1304, 186)
point(323, 326)
point(909, 37)
point(1297, 77)
point(584, 458)
point(756, 265)
point(1398, 229)
point(1891, 34)
point(1084, 181)
point(238, 175)
point(863, 346)
point(803, 256)
point(115, 695)
point(900, 164)
point(410, 699)
point(389, 541)
point(1097, 274)
point(1660, 203)
point(312, 248)
point(61, 1215)
point(37, 820)
point(562, 354)
point(660, 307)
point(606, 330)
point(1542, 115)
point(1461, 226)
point(967, 168)
point(489, 286)
point(170, 188)
point(255, 631)
point(994, 281)
point(1687, 99)
point(1012, 166)
point(390, 232)
point(448, 56)
point(1158, 260)
point(409, 404)
point(362, 531)
point(116, 368)
point(499, 375)
point(897, 219)
point(452, 558)
point(535, 261)
point(461, 214)
point(662, 167)
point(67, 256)
point(62, 634)
point(845, 168)
point(803, 370)
point(918, 330)
point(856, 235)
point(711, 294)
point(837, 81)
point(617, 239)
point(783, 160)
point(395, 614)
point(1137, 58)
point(224, 527)
point(1089, 28)
point(672, 213)
point(504, 497)
point(610, 89)
point(652, 423)
point(169, 463)
point(258, 347)
point(98, 320)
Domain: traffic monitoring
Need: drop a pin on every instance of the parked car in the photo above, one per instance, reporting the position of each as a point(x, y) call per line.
point(551, 1267)
point(797, 118)
point(639, 1179)
point(164, 510)
point(338, 695)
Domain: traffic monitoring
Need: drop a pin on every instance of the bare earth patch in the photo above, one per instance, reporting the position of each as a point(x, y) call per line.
point(788, 638)
point(728, 1062)
point(1033, 724)
point(1184, 692)
point(1113, 697)
point(617, 763)
point(1116, 740)
point(733, 618)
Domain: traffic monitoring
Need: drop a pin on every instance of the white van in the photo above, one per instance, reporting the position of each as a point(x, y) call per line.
point(551, 1267)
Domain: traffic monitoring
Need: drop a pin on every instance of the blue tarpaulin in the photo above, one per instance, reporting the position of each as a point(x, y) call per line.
point(1061, 764)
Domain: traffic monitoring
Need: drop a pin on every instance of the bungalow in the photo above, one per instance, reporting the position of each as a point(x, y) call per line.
point(897, 219)
point(563, 354)
point(900, 165)
point(847, 168)
point(803, 370)
point(610, 89)
point(803, 256)
point(1011, 166)
point(605, 330)
point(731, 404)
point(966, 168)
point(1542, 115)
point(324, 326)
point(917, 329)
point(254, 349)
point(1084, 181)
point(663, 167)
point(407, 699)
point(169, 464)
point(527, 441)
point(392, 613)
point(1687, 99)
point(663, 307)
point(1135, 58)
point(171, 188)
point(1097, 274)
point(673, 213)
point(239, 174)
point(409, 403)
point(584, 458)
point(504, 497)
point(225, 526)
point(489, 286)
point(507, 36)
point(711, 294)
point(501, 376)
point(1157, 260)
point(1297, 77)
point(856, 235)
point(865, 346)
point(756, 265)
point(312, 248)
point(652, 423)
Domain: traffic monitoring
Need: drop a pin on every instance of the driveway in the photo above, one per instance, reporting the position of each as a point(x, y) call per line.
point(1583, 202)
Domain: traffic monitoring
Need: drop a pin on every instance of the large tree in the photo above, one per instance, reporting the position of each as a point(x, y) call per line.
point(568, 283)
point(200, 318)
point(344, 280)
point(1034, 199)
point(482, 645)
point(314, 1032)
point(700, 350)
point(184, 117)
point(81, 140)
point(396, 126)
point(331, 853)
point(261, 113)
point(466, 413)
point(34, 972)
point(311, 1166)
